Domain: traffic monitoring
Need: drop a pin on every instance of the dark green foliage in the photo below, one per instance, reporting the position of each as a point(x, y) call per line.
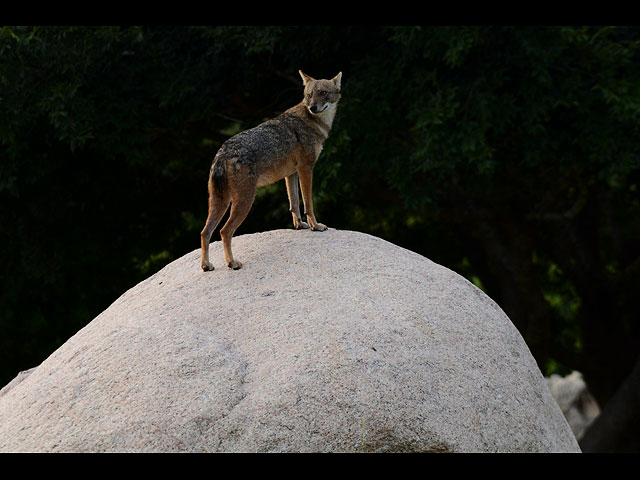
point(509, 154)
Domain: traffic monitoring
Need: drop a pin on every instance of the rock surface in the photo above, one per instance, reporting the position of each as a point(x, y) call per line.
point(331, 341)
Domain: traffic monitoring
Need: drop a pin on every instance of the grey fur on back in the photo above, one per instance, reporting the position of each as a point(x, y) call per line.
point(266, 143)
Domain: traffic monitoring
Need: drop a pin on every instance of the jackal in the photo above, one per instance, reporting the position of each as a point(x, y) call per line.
point(286, 147)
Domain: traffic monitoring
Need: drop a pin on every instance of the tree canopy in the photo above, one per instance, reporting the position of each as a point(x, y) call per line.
point(509, 154)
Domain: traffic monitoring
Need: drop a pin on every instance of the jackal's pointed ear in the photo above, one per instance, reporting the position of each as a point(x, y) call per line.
point(337, 79)
point(305, 78)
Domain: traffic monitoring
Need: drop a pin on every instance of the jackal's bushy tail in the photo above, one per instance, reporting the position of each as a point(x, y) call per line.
point(219, 176)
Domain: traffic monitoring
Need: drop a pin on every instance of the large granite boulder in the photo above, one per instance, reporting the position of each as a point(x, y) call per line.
point(331, 341)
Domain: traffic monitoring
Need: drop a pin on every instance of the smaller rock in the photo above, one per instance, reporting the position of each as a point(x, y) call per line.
point(577, 404)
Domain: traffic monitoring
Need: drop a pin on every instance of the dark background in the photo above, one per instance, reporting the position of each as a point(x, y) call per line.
point(508, 154)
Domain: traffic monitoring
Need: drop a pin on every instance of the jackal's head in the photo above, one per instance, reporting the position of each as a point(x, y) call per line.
point(320, 95)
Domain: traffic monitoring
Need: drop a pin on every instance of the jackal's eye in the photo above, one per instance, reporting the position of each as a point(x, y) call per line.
point(322, 93)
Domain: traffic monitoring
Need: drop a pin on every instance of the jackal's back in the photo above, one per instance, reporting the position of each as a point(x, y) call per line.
point(268, 146)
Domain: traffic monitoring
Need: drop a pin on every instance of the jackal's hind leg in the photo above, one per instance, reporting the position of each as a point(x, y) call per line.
point(294, 201)
point(239, 210)
point(217, 208)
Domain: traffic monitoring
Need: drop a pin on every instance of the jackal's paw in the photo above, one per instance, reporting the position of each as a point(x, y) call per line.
point(301, 225)
point(206, 267)
point(234, 264)
point(319, 227)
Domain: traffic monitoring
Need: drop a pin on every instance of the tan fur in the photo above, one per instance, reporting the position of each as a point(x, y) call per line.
point(286, 147)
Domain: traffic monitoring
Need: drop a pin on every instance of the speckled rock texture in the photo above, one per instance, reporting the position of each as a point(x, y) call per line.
point(331, 341)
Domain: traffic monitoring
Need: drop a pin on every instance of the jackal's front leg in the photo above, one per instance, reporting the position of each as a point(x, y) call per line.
point(294, 201)
point(306, 179)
